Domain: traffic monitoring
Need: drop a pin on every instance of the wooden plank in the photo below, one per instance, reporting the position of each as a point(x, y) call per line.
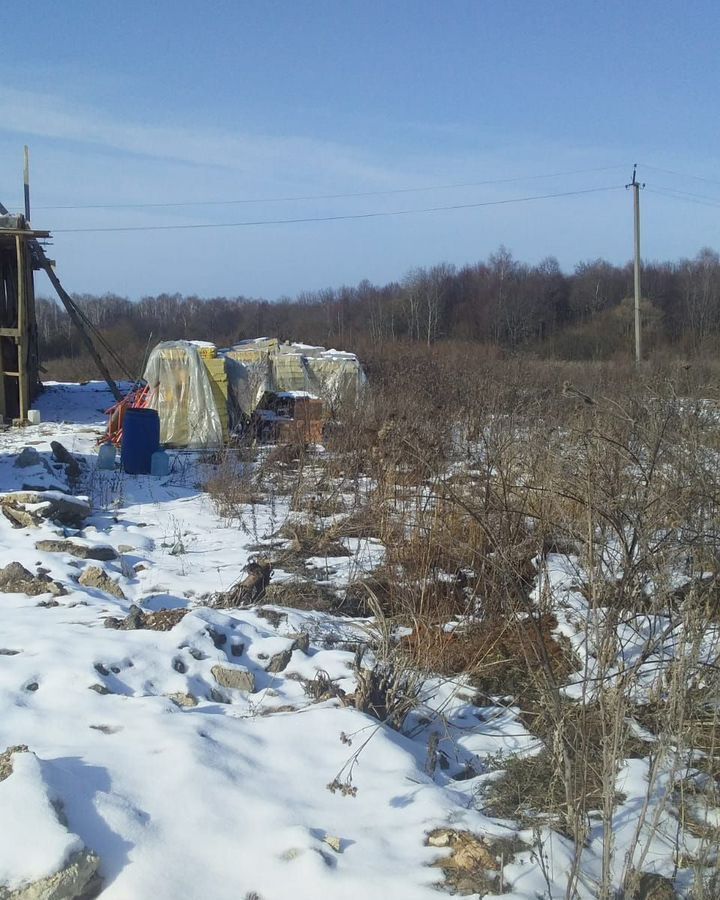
point(23, 232)
point(69, 305)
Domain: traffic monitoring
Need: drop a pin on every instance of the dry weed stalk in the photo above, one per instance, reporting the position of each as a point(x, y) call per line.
point(477, 489)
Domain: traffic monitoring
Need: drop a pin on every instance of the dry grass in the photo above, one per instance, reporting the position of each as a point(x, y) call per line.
point(302, 594)
point(473, 472)
point(233, 484)
point(501, 657)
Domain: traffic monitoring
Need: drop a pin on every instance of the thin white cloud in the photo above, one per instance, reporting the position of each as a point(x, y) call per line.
point(43, 115)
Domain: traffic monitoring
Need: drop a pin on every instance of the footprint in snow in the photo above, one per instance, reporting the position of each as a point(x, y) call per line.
point(107, 729)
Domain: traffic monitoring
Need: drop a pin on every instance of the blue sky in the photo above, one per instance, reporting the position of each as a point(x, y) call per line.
point(181, 101)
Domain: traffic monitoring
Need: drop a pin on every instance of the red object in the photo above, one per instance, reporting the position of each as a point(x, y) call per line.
point(137, 398)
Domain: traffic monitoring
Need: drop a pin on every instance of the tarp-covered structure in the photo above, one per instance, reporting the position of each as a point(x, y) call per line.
point(266, 364)
point(181, 390)
point(200, 394)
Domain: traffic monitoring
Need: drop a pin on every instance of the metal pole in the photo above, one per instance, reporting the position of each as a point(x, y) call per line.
point(636, 204)
point(26, 180)
point(635, 185)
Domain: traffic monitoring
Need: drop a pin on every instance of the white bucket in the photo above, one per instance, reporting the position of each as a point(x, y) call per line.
point(33, 416)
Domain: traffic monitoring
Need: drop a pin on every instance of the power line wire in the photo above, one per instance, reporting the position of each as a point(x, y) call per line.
point(337, 218)
point(380, 193)
point(699, 199)
point(680, 174)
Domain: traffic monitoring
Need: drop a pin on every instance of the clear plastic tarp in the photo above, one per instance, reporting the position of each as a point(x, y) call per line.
point(198, 396)
point(265, 364)
point(181, 392)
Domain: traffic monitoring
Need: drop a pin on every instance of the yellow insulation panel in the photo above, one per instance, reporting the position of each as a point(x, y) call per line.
point(219, 384)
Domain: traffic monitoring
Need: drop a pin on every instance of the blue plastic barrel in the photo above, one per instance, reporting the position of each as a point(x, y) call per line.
point(140, 439)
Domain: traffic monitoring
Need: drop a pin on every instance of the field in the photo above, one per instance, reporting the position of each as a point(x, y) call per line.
point(469, 645)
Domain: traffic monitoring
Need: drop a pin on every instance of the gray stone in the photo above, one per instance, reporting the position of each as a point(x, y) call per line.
point(333, 842)
point(185, 701)
point(300, 641)
point(28, 457)
point(64, 456)
point(235, 678)
point(79, 878)
point(135, 618)
point(279, 661)
point(15, 571)
point(19, 518)
point(6, 766)
point(81, 551)
point(42, 486)
point(51, 504)
point(95, 577)
point(67, 510)
point(15, 579)
point(161, 620)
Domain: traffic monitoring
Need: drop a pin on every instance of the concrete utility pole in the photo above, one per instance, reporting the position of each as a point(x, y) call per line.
point(635, 185)
point(26, 183)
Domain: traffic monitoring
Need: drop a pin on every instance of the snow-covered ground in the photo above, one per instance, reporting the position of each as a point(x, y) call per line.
point(225, 798)
point(197, 761)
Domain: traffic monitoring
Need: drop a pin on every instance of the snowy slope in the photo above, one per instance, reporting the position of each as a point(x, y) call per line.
point(227, 797)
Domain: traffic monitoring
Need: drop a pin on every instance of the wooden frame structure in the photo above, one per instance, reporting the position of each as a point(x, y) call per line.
point(19, 363)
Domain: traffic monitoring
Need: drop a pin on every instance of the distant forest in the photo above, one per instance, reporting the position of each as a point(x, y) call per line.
point(501, 302)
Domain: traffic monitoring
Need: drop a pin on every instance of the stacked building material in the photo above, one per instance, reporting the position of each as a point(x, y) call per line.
point(202, 395)
point(265, 364)
point(217, 371)
point(189, 400)
point(291, 417)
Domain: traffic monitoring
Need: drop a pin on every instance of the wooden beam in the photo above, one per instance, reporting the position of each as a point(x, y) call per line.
point(28, 233)
point(67, 302)
point(23, 392)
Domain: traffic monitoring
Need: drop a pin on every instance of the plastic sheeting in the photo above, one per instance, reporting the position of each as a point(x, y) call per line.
point(247, 382)
point(181, 392)
point(265, 364)
point(335, 378)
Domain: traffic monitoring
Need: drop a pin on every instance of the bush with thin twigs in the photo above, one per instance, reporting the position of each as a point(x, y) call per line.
point(484, 479)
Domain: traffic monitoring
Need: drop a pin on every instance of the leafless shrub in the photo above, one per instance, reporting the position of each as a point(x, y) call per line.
point(233, 484)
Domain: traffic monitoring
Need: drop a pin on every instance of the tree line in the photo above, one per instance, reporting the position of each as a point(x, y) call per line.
point(501, 301)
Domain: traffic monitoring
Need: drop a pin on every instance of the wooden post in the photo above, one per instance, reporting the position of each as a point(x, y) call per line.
point(67, 302)
point(21, 340)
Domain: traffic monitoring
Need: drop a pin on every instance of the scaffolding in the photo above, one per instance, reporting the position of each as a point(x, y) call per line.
point(19, 363)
